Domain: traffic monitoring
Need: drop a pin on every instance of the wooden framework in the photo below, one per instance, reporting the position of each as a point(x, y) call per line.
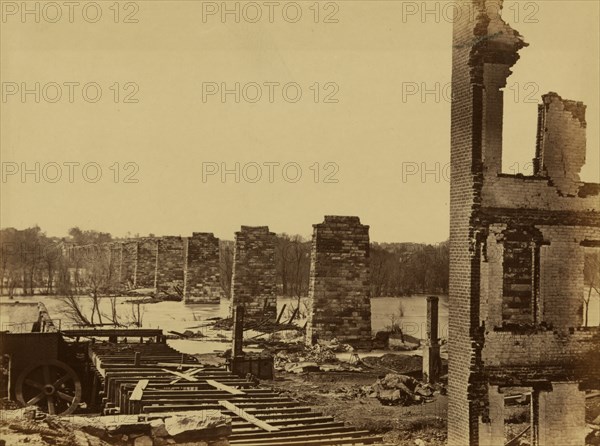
point(252, 408)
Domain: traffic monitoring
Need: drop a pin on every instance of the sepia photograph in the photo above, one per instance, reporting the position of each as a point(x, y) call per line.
point(300, 223)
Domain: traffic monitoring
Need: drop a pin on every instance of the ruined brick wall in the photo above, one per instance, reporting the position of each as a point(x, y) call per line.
point(254, 283)
point(339, 291)
point(202, 274)
point(129, 252)
point(515, 303)
point(560, 412)
point(146, 263)
point(560, 151)
point(464, 153)
point(169, 266)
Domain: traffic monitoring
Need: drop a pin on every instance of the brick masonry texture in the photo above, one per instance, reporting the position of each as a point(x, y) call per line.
point(254, 284)
point(339, 292)
point(146, 263)
point(202, 269)
point(162, 263)
point(515, 303)
point(168, 278)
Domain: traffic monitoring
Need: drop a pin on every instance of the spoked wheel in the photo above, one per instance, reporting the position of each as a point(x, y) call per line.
point(51, 385)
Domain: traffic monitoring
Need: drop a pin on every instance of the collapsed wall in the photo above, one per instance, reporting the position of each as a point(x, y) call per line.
point(516, 311)
point(339, 291)
point(202, 274)
point(254, 284)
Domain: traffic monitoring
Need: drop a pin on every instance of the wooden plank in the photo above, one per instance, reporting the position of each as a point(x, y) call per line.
point(225, 387)
point(138, 391)
point(248, 417)
point(189, 373)
point(184, 365)
point(187, 376)
point(290, 432)
point(303, 440)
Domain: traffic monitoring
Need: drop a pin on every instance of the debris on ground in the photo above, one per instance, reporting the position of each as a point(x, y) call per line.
point(336, 346)
point(401, 390)
point(302, 359)
point(593, 436)
point(187, 334)
point(381, 341)
point(28, 426)
point(265, 327)
point(391, 362)
point(403, 342)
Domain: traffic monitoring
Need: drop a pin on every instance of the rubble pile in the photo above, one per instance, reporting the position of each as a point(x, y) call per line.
point(199, 428)
point(401, 390)
point(315, 358)
point(593, 436)
point(402, 364)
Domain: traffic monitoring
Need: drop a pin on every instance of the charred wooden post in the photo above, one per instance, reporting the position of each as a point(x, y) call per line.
point(238, 332)
point(431, 349)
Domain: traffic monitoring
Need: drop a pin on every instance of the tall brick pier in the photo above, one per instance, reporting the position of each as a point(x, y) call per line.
point(339, 292)
point(146, 263)
point(202, 269)
point(168, 277)
point(517, 248)
point(254, 282)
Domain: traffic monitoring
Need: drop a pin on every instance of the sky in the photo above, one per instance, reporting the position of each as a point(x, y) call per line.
point(311, 109)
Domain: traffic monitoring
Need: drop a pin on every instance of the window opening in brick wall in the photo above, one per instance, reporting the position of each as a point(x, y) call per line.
point(519, 417)
point(591, 287)
point(521, 278)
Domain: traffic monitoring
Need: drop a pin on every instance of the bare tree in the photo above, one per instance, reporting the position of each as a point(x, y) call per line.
point(137, 314)
point(113, 317)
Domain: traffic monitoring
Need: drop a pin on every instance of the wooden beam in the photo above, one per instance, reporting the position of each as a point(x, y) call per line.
point(187, 376)
point(184, 365)
point(248, 417)
point(138, 391)
point(225, 387)
point(189, 373)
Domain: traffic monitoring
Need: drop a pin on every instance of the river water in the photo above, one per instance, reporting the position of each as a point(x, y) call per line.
point(177, 316)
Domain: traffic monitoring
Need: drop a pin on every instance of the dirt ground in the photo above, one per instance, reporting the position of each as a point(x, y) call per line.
point(333, 394)
point(339, 394)
point(336, 393)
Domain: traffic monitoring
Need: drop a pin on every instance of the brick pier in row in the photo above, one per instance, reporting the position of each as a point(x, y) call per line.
point(339, 291)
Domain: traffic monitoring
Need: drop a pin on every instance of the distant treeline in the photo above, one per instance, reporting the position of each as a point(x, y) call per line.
point(399, 269)
point(32, 263)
